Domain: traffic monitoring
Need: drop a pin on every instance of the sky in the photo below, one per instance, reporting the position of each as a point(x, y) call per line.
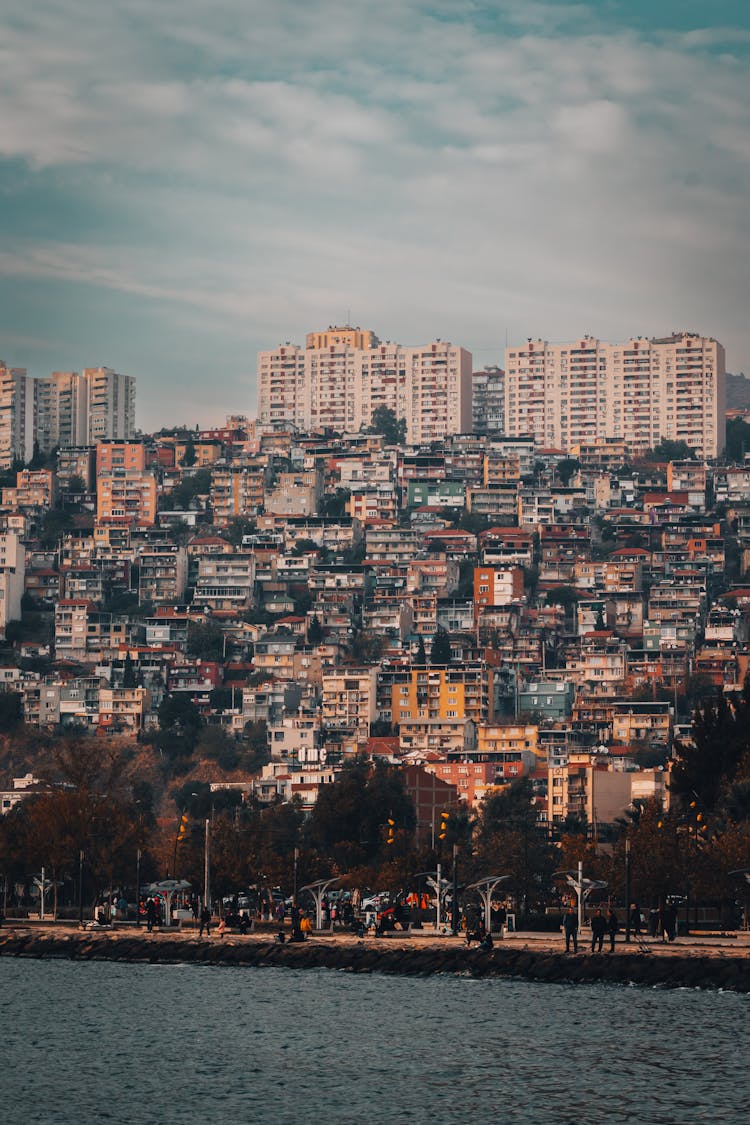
point(183, 184)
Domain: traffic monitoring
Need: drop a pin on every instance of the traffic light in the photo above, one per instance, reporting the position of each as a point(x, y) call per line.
point(391, 831)
point(443, 825)
point(182, 830)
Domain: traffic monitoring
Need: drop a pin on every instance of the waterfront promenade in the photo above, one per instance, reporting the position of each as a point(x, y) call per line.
point(697, 961)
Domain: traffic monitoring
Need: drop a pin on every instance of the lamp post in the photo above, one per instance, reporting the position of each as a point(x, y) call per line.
point(455, 890)
point(138, 887)
point(80, 887)
point(207, 865)
point(627, 888)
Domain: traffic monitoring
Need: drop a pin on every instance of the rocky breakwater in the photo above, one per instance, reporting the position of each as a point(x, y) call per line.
point(678, 970)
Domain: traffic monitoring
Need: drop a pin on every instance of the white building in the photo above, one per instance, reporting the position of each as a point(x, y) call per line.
point(640, 391)
point(13, 384)
point(343, 376)
point(12, 576)
point(110, 405)
point(60, 411)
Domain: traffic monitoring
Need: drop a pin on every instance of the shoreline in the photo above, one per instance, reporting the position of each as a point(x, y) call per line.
point(709, 963)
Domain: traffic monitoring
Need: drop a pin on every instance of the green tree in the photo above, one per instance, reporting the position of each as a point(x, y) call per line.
point(440, 650)
point(566, 596)
point(668, 450)
point(349, 821)
point(189, 457)
point(567, 468)
point(738, 440)
point(314, 630)
point(206, 640)
point(385, 422)
point(720, 743)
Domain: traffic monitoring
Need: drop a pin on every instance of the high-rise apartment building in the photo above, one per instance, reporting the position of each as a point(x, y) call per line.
point(639, 392)
point(341, 378)
point(488, 401)
point(13, 385)
point(60, 411)
point(111, 404)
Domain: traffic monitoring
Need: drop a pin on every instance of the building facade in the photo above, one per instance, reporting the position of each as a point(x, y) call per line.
point(344, 375)
point(110, 404)
point(13, 385)
point(580, 393)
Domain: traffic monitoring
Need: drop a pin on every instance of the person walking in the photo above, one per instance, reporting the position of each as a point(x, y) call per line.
point(150, 914)
point(635, 919)
point(570, 929)
point(613, 926)
point(205, 922)
point(598, 930)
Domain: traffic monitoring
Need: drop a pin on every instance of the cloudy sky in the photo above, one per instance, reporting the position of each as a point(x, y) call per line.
point(184, 183)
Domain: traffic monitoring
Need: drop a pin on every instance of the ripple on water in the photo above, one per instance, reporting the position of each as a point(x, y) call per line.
point(144, 1043)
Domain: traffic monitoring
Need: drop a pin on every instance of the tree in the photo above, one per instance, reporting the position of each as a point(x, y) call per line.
point(421, 657)
point(668, 450)
point(385, 422)
point(314, 630)
point(440, 650)
point(206, 640)
point(566, 596)
point(349, 819)
point(720, 742)
point(738, 440)
point(566, 468)
point(367, 647)
point(511, 842)
point(189, 457)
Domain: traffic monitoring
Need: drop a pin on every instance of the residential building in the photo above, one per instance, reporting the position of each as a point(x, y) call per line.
point(110, 404)
point(60, 411)
point(488, 401)
point(12, 573)
point(340, 384)
point(583, 392)
point(13, 389)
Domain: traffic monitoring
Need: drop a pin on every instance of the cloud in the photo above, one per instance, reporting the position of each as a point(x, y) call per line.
point(450, 169)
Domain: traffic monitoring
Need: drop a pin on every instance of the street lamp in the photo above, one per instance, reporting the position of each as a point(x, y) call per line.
point(80, 888)
point(627, 888)
point(138, 887)
point(455, 891)
point(582, 887)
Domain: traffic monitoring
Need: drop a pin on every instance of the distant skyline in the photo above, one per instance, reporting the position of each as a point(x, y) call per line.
point(183, 185)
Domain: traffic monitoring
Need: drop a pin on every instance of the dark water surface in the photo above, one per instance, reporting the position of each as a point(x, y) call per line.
point(90, 1041)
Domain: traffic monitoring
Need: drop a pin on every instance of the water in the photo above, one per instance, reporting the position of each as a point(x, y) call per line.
point(91, 1042)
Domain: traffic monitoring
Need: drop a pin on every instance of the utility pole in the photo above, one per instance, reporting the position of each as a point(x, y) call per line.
point(627, 888)
point(455, 890)
point(80, 887)
point(138, 887)
point(207, 867)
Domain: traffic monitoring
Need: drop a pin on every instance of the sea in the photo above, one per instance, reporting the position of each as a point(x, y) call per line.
point(112, 1042)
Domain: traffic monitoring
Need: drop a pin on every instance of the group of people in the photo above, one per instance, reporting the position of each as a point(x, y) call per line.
point(601, 926)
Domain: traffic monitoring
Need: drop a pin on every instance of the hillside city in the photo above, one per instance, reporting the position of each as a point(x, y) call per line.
point(465, 594)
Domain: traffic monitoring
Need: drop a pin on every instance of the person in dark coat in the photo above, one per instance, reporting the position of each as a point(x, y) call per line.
point(635, 919)
point(598, 930)
point(570, 929)
point(205, 922)
point(150, 914)
point(613, 926)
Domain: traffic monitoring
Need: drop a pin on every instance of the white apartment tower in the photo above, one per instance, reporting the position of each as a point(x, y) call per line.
point(13, 384)
point(110, 405)
point(60, 411)
point(640, 391)
point(343, 375)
